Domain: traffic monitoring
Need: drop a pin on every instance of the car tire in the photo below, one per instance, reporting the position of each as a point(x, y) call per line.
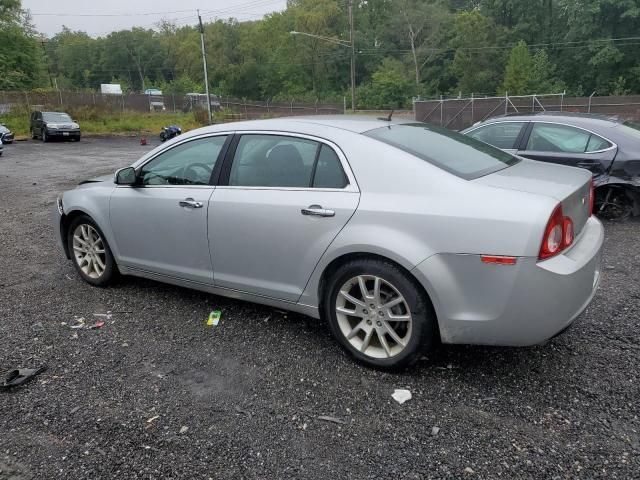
point(370, 335)
point(90, 252)
point(33, 135)
point(44, 136)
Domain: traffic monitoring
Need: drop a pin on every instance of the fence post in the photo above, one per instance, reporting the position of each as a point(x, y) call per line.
point(562, 100)
point(268, 109)
point(344, 105)
point(173, 99)
point(590, 98)
point(291, 104)
point(316, 106)
point(472, 109)
point(533, 104)
point(506, 103)
point(441, 110)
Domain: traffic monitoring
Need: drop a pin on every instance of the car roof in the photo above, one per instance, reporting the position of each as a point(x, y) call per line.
point(585, 120)
point(352, 123)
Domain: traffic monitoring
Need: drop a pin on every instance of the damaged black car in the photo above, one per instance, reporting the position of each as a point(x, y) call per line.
point(608, 146)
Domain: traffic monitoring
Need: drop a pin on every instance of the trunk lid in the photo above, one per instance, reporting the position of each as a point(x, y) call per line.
point(568, 185)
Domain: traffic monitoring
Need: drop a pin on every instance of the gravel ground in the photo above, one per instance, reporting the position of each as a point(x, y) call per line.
point(157, 394)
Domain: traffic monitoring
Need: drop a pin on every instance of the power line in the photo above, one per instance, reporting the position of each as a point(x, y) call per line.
point(105, 14)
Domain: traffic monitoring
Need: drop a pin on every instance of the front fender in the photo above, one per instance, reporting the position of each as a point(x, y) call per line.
point(93, 201)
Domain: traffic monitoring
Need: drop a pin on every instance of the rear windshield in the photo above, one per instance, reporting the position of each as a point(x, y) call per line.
point(632, 129)
point(56, 117)
point(456, 153)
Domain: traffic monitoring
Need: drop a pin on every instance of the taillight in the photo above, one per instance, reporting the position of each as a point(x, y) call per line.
point(567, 231)
point(592, 194)
point(557, 236)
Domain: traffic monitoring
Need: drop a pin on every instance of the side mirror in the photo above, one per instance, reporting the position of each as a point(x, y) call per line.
point(125, 176)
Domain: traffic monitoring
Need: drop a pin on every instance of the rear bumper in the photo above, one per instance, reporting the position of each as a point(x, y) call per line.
point(519, 305)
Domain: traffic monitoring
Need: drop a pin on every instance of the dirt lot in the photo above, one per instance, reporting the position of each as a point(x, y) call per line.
point(157, 394)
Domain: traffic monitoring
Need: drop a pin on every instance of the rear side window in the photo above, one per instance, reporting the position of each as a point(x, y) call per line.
point(501, 135)
point(329, 173)
point(546, 137)
point(282, 161)
point(454, 152)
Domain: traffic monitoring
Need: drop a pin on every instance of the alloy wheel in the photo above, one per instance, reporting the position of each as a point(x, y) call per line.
point(373, 316)
point(89, 251)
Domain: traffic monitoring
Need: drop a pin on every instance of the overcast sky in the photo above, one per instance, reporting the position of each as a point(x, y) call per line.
point(99, 17)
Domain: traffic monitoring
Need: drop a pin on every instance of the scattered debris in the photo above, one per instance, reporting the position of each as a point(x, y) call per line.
point(469, 470)
point(435, 431)
point(488, 399)
point(107, 315)
point(332, 419)
point(239, 409)
point(153, 419)
point(79, 323)
point(20, 376)
point(184, 430)
point(74, 410)
point(401, 395)
point(214, 318)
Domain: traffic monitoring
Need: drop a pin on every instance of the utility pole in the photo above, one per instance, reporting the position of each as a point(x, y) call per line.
point(204, 63)
point(353, 58)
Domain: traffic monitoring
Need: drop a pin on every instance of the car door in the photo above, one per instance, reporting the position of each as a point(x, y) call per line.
point(504, 135)
point(160, 224)
point(568, 145)
point(281, 201)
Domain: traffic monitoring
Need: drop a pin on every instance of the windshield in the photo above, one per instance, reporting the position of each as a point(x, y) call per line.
point(456, 153)
point(56, 117)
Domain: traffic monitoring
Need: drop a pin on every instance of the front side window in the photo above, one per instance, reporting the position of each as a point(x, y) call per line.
point(546, 137)
point(273, 161)
point(190, 163)
point(453, 152)
point(500, 135)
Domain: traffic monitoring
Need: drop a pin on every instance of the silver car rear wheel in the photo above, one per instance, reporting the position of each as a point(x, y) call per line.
point(373, 316)
point(89, 251)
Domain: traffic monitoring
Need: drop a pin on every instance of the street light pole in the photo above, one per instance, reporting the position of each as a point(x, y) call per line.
point(353, 58)
point(204, 63)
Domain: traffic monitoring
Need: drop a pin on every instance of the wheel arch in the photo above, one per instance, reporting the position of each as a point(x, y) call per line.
point(340, 260)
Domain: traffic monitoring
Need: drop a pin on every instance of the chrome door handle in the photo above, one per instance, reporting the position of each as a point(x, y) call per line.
point(318, 211)
point(190, 203)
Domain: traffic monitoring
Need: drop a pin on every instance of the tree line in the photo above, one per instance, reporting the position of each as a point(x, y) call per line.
point(404, 48)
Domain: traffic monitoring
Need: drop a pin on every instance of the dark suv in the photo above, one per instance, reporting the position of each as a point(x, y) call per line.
point(49, 125)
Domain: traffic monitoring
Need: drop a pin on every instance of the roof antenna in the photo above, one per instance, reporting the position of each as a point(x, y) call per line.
point(388, 118)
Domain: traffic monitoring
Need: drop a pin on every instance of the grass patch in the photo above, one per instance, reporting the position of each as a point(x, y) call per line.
point(92, 122)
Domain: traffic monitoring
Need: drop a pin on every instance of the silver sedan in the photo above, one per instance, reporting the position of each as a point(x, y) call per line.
point(399, 234)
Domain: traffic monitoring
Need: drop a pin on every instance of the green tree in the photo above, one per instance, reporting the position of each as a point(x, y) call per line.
point(517, 76)
point(390, 87)
point(477, 63)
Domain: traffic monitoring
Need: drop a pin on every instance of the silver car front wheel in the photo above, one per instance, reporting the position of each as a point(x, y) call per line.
point(88, 251)
point(373, 316)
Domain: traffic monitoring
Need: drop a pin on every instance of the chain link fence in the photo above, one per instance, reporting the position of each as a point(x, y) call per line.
point(459, 113)
point(232, 108)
